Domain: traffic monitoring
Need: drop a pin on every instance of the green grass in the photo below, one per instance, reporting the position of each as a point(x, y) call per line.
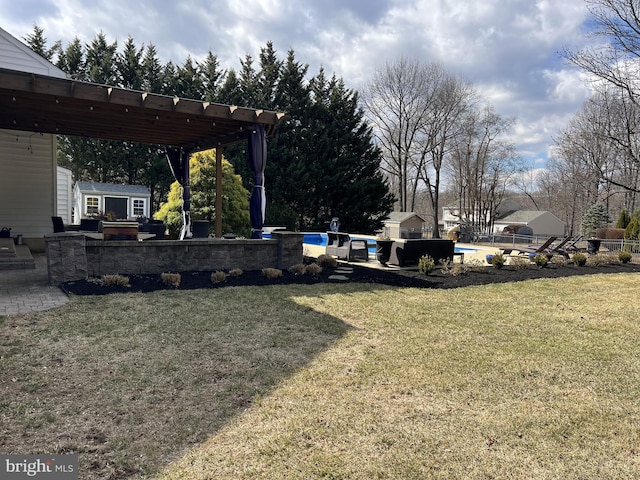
point(538, 379)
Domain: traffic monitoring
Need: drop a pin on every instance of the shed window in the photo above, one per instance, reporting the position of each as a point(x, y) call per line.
point(138, 207)
point(93, 205)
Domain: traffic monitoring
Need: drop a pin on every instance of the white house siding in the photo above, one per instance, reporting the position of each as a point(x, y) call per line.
point(15, 55)
point(27, 159)
point(64, 192)
point(27, 183)
point(542, 223)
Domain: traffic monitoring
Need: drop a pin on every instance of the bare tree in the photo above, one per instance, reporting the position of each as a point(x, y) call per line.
point(452, 100)
point(615, 66)
point(615, 61)
point(416, 110)
point(396, 102)
point(482, 166)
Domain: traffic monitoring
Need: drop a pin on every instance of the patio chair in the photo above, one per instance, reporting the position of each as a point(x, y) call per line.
point(58, 224)
point(344, 247)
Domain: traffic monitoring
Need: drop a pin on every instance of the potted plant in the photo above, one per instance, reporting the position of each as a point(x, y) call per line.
point(383, 249)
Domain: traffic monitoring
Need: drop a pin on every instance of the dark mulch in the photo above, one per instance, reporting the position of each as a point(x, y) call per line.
point(360, 274)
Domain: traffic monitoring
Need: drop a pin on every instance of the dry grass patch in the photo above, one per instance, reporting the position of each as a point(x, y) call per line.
point(333, 381)
point(459, 389)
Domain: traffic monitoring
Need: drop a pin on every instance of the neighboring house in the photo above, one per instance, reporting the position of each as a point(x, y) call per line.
point(64, 207)
point(451, 214)
point(27, 159)
point(403, 225)
point(124, 201)
point(541, 222)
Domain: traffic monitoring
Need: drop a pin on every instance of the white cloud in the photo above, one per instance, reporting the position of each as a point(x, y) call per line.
point(507, 48)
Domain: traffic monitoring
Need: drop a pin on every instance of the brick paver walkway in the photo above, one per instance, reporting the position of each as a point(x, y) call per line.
point(28, 290)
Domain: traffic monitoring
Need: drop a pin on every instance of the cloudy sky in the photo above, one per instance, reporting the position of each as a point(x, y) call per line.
point(509, 49)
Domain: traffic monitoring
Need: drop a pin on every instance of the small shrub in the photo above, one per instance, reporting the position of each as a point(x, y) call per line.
point(475, 265)
point(313, 269)
point(600, 259)
point(519, 262)
point(426, 264)
point(218, 277)
point(113, 280)
point(236, 272)
point(298, 269)
point(624, 257)
point(541, 260)
point(454, 269)
point(579, 259)
point(607, 233)
point(559, 260)
point(498, 260)
point(327, 261)
point(171, 279)
point(271, 273)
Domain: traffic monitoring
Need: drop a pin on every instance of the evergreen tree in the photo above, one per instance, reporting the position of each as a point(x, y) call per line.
point(623, 219)
point(594, 218)
point(72, 61)
point(632, 231)
point(189, 82)
point(37, 42)
point(100, 61)
point(230, 92)
point(268, 77)
point(152, 75)
point(235, 203)
point(129, 66)
point(212, 77)
point(288, 174)
point(348, 172)
point(249, 84)
point(170, 84)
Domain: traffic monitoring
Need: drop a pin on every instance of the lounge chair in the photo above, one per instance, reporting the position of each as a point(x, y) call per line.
point(344, 247)
point(530, 250)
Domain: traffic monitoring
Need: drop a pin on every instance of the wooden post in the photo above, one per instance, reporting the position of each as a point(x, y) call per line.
point(219, 191)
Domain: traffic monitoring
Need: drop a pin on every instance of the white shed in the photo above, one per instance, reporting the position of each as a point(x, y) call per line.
point(541, 222)
point(403, 225)
point(27, 159)
point(123, 201)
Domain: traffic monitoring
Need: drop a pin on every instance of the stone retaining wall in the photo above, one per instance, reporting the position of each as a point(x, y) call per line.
point(71, 257)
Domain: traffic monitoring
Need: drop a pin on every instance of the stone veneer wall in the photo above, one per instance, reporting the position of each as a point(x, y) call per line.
point(71, 257)
point(66, 257)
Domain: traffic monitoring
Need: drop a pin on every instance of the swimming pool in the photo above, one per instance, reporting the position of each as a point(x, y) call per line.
point(320, 239)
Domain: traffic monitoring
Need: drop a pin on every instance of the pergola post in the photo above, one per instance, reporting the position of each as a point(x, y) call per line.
point(219, 191)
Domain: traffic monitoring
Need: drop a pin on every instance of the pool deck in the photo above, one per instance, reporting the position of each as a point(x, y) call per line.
point(471, 251)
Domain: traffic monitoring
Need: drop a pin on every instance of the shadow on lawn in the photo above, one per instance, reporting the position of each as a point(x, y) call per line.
point(132, 382)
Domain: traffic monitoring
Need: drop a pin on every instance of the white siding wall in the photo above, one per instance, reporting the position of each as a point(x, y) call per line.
point(27, 182)
point(15, 55)
point(65, 187)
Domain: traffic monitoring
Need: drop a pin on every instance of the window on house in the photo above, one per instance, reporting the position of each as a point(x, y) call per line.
point(138, 207)
point(93, 205)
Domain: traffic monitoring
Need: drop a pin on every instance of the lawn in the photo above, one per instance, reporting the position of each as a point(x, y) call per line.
point(529, 380)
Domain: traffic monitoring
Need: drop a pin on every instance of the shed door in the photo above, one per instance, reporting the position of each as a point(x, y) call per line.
point(117, 205)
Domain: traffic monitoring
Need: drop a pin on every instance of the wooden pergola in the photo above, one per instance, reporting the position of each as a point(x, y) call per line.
point(44, 104)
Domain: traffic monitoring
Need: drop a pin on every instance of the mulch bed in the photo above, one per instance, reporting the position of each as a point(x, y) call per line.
point(360, 274)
